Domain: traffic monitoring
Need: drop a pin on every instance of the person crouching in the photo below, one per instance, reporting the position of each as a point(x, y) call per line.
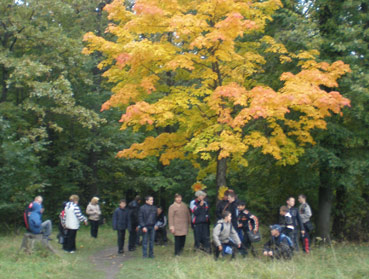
point(279, 245)
point(225, 237)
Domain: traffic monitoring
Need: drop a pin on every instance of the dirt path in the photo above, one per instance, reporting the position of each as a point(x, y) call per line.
point(109, 261)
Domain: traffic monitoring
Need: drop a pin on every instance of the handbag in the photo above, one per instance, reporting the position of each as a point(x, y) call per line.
point(254, 237)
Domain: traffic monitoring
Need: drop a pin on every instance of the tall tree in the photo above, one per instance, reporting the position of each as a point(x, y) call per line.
point(188, 69)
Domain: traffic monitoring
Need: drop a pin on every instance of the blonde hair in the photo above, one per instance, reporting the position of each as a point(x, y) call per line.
point(94, 200)
point(74, 198)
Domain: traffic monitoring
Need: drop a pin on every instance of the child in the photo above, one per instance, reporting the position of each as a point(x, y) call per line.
point(247, 222)
point(286, 221)
point(161, 223)
point(121, 222)
point(279, 246)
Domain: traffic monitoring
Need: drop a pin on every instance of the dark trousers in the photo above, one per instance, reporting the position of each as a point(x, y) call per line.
point(148, 238)
point(70, 240)
point(295, 239)
point(179, 243)
point(121, 237)
point(201, 232)
point(306, 237)
point(132, 239)
point(161, 235)
point(94, 228)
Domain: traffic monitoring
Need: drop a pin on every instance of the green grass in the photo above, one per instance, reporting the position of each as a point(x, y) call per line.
point(342, 261)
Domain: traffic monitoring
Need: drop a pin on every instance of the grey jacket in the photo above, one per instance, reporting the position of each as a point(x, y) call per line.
point(305, 212)
point(223, 235)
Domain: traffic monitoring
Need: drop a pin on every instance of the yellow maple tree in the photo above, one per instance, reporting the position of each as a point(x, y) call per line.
point(188, 67)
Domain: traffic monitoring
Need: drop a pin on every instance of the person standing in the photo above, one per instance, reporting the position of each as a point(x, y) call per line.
point(305, 214)
point(147, 219)
point(222, 205)
point(93, 211)
point(161, 224)
point(179, 222)
point(134, 207)
point(36, 225)
point(200, 221)
point(297, 223)
point(121, 222)
point(73, 217)
point(232, 207)
point(247, 222)
point(286, 222)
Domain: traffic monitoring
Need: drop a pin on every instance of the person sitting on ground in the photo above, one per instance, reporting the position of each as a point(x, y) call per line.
point(279, 246)
point(36, 225)
point(94, 214)
point(247, 222)
point(225, 237)
point(121, 223)
point(286, 221)
point(161, 223)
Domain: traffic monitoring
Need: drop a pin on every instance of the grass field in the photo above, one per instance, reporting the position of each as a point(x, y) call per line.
point(345, 261)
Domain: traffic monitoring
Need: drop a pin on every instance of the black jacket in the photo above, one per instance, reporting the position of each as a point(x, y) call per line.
point(134, 207)
point(219, 210)
point(147, 215)
point(121, 219)
point(296, 219)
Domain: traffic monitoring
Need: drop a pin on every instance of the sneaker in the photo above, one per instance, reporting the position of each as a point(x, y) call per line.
point(72, 252)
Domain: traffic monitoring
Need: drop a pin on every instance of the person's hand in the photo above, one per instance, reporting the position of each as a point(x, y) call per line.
point(201, 202)
point(172, 230)
point(86, 223)
point(137, 228)
point(239, 245)
point(270, 253)
point(255, 232)
point(156, 228)
point(42, 210)
point(265, 253)
point(240, 225)
point(144, 230)
point(220, 248)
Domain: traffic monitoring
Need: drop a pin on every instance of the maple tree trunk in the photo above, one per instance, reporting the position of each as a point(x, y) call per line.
point(221, 178)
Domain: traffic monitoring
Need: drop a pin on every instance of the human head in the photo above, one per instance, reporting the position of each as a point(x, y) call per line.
point(290, 202)
point(38, 199)
point(302, 198)
point(138, 199)
point(231, 197)
point(227, 216)
point(74, 199)
point(122, 203)
point(283, 210)
point(200, 195)
point(178, 198)
point(241, 205)
point(149, 200)
point(94, 200)
point(275, 230)
point(159, 210)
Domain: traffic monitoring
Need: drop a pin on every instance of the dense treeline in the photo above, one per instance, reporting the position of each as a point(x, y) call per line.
point(54, 140)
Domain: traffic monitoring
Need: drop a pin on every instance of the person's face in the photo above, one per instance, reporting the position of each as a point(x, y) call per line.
point(150, 201)
point(201, 198)
point(122, 205)
point(231, 199)
point(291, 202)
point(159, 211)
point(178, 199)
point(241, 207)
point(301, 200)
point(228, 218)
point(275, 233)
point(282, 213)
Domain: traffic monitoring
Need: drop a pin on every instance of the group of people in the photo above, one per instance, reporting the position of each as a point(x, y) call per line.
point(235, 230)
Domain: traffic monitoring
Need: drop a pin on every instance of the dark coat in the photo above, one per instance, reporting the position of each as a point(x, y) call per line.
point(134, 207)
point(220, 208)
point(121, 219)
point(296, 218)
point(147, 215)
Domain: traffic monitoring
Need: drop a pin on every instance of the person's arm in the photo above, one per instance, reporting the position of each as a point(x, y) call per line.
point(129, 221)
point(299, 221)
point(115, 220)
point(89, 210)
point(79, 215)
point(171, 219)
point(141, 218)
point(268, 246)
point(216, 234)
point(255, 220)
point(234, 236)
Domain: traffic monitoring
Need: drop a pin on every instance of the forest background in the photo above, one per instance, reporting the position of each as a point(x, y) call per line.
point(54, 141)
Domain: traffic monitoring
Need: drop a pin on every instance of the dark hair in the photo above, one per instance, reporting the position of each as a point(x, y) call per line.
point(177, 195)
point(242, 203)
point(122, 200)
point(284, 208)
point(138, 198)
point(226, 214)
point(290, 197)
point(302, 196)
point(148, 197)
point(232, 194)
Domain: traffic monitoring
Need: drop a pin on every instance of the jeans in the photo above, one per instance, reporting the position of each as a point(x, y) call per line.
point(94, 228)
point(149, 236)
point(179, 243)
point(46, 228)
point(121, 237)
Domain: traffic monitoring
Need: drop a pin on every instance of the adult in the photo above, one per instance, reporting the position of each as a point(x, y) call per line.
point(232, 208)
point(221, 206)
point(297, 222)
point(134, 207)
point(36, 225)
point(305, 214)
point(279, 245)
point(73, 216)
point(93, 211)
point(179, 222)
point(121, 222)
point(147, 219)
point(225, 237)
point(200, 221)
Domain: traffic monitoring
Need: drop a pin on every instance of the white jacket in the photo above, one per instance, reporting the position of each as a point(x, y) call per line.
point(73, 216)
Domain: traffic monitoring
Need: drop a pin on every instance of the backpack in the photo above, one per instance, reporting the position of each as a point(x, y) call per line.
point(26, 214)
point(221, 228)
